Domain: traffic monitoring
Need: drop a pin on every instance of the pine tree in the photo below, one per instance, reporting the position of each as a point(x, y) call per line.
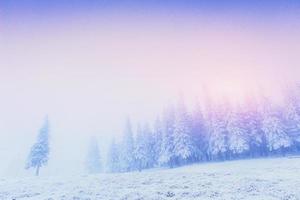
point(157, 140)
point(208, 113)
point(150, 145)
point(167, 155)
point(237, 133)
point(252, 119)
point(127, 149)
point(199, 134)
point(292, 115)
point(113, 157)
point(39, 152)
point(93, 160)
point(273, 127)
point(218, 141)
point(183, 145)
point(141, 149)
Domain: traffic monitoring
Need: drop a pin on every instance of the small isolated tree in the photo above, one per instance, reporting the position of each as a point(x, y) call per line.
point(93, 159)
point(39, 152)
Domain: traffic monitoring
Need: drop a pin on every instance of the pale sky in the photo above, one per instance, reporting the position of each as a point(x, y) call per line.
point(90, 70)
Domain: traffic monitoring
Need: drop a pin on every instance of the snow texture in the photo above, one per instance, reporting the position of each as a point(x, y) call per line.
point(269, 179)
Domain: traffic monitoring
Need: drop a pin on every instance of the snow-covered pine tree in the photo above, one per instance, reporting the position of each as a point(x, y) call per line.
point(291, 116)
point(150, 145)
point(140, 150)
point(199, 134)
point(144, 148)
point(273, 127)
point(39, 152)
point(184, 147)
point(252, 119)
point(127, 149)
point(237, 133)
point(208, 110)
point(93, 159)
point(157, 140)
point(218, 141)
point(167, 155)
point(113, 158)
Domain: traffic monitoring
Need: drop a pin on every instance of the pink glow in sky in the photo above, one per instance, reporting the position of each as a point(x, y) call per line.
point(89, 73)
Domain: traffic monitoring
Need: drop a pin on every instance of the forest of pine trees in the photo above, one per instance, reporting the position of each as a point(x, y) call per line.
point(211, 132)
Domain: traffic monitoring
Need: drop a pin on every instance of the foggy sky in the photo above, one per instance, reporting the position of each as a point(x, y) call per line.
point(89, 67)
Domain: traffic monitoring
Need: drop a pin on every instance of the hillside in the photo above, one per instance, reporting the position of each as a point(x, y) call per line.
point(276, 178)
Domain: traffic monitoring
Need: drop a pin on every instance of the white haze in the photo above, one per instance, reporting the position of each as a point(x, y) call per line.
point(88, 80)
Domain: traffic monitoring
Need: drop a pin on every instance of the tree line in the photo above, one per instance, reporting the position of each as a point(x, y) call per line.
point(211, 131)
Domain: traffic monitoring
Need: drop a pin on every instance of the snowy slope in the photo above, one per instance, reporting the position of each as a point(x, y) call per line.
point(246, 179)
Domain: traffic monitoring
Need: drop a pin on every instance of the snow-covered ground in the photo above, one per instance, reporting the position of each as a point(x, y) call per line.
point(264, 179)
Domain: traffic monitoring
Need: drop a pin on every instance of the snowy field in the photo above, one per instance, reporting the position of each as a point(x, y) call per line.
point(264, 179)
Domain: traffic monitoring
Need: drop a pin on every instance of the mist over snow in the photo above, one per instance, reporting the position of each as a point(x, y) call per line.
point(149, 99)
point(89, 71)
